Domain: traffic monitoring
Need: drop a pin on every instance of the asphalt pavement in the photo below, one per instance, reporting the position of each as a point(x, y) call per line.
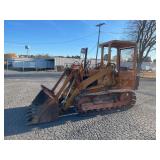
point(31, 74)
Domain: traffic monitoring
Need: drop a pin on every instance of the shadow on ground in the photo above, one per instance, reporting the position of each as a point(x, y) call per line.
point(15, 122)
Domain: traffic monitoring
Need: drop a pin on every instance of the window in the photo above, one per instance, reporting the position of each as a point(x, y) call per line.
point(113, 55)
point(126, 58)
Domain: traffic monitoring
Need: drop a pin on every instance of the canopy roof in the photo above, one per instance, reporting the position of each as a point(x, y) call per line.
point(118, 44)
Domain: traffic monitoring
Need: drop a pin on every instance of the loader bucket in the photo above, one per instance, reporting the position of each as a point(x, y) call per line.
point(43, 109)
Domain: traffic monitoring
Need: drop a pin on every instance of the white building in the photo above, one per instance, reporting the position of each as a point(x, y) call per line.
point(63, 61)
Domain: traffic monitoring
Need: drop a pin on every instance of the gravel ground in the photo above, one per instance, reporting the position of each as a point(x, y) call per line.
point(138, 122)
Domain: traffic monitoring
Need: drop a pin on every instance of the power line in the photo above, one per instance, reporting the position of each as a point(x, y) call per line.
point(114, 32)
point(18, 44)
point(94, 47)
point(68, 41)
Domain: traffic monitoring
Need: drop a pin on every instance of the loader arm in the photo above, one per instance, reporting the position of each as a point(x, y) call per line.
point(85, 83)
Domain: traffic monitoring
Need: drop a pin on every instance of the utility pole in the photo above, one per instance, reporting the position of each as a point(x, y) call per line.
point(98, 25)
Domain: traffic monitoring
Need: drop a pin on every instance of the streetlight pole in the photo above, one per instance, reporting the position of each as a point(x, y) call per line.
point(98, 25)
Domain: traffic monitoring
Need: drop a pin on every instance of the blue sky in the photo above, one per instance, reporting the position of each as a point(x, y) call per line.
point(63, 37)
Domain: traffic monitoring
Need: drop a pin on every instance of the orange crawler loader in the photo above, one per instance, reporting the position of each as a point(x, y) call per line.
point(108, 85)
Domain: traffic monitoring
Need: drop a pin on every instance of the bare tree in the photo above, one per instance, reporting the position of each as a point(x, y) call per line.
point(144, 33)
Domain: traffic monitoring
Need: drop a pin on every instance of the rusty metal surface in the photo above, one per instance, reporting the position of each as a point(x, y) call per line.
point(118, 44)
point(43, 109)
point(108, 100)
